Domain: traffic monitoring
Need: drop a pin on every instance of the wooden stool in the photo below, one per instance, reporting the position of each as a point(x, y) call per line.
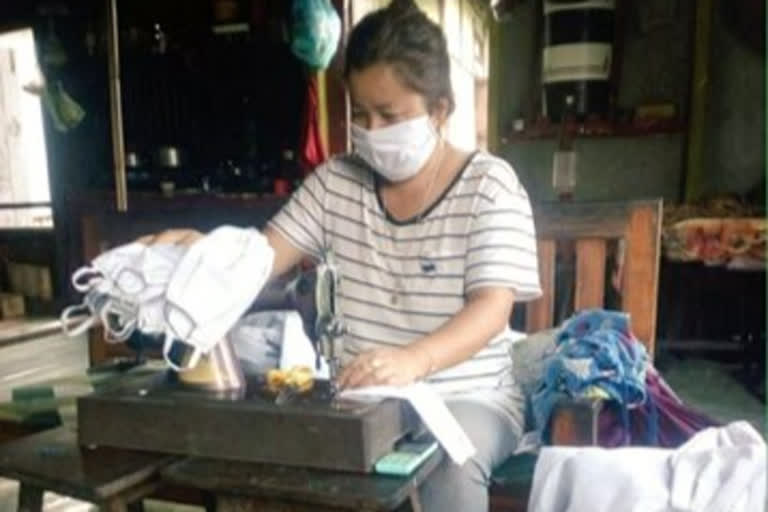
point(115, 480)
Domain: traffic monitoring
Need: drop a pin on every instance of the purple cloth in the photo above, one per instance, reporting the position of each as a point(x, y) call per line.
point(675, 421)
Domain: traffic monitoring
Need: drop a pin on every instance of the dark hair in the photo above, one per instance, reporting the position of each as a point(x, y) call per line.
point(403, 36)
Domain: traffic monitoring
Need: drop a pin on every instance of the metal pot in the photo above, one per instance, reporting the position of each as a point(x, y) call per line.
point(169, 157)
point(218, 371)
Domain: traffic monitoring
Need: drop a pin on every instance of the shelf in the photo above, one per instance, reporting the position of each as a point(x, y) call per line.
point(595, 129)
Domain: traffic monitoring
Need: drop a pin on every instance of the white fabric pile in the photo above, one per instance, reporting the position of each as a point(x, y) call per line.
point(193, 294)
point(718, 470)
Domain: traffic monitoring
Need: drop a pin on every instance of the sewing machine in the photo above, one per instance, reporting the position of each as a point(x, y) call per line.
point(214, 411)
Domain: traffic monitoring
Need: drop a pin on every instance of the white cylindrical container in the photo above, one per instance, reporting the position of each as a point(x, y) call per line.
point(577, 56)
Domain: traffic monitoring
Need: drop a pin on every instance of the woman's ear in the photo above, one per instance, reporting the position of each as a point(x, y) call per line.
point(440, 111)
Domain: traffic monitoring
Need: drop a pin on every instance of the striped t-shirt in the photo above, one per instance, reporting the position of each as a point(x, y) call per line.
point(401, 280)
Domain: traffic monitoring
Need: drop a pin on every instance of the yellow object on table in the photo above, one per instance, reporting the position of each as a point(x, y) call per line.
point(297, 378)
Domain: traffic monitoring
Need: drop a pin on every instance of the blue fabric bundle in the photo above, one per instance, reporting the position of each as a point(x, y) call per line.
point(596, 355)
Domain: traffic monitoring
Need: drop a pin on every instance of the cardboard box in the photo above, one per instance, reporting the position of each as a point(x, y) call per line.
point(11, 305)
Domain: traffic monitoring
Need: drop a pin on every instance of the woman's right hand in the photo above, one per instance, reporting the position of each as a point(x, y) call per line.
point(184, 237)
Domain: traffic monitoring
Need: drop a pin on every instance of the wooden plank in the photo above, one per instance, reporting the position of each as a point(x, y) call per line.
point(590, 273)
point(540, 313)
point(305, 489)
point(569, 221)
point(24, 329)
point(641, 271)
point(91, 229)
point(233, 503)
point(574, 422)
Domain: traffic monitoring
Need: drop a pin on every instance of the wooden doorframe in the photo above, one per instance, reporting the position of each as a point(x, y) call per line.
point(335, 118)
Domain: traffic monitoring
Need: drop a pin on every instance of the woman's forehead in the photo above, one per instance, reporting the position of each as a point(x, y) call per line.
point(379, 86)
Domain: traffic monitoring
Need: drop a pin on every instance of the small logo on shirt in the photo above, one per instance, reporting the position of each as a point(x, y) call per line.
point(428, 266)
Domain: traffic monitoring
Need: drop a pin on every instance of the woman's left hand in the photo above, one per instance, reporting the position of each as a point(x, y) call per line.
point(382, 367)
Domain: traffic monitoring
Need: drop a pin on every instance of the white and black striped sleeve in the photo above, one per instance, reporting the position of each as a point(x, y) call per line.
point(502, 243)
point(302, 219)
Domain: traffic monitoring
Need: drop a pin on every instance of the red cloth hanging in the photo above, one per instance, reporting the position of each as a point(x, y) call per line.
point(312, 151)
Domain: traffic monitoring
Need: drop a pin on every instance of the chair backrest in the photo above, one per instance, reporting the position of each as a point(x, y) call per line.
point(596, 234)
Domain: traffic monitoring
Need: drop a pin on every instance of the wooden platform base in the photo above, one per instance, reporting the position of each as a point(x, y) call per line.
point(311, 431)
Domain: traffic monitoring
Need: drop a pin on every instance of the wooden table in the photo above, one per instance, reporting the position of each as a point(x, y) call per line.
point(116, 480)
point(250, 487)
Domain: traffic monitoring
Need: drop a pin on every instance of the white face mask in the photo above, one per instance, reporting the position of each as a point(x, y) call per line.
point(215, 282)
point(399, 151)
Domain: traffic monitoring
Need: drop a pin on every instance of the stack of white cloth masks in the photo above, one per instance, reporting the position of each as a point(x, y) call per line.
point(193, 295)
point(124, 290)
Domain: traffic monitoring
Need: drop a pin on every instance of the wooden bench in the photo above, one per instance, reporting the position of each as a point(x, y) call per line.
point(115, 480)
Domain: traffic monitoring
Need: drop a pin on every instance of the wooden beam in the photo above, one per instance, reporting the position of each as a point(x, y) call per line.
point(495, 83)
point(590, 273)
point(115, 105)
point(696, 170)
point(641, 272)
point(336, 104)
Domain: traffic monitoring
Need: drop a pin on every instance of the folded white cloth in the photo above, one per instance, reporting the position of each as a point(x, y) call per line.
point(215, 282)
point(718, 470)
point(432, 410)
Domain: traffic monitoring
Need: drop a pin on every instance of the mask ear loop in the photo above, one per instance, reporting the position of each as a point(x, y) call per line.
point(80, 328)
point(119, 335)
point(171, 335)
point(126, 271)
point(89, 284)
point(168, 345)
point(125, 308)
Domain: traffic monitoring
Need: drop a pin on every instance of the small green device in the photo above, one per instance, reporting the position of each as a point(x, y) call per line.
point(406, 457)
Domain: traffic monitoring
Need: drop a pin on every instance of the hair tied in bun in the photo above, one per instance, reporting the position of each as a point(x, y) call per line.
point(403, 6)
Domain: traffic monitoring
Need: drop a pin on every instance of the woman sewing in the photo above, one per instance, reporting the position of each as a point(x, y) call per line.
point(433, 244)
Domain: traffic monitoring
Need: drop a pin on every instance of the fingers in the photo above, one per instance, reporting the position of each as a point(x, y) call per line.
point(183, 237)
point(147, 239)
point(366, 370)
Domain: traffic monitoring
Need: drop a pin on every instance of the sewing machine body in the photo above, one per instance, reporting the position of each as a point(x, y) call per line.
point(215, 412)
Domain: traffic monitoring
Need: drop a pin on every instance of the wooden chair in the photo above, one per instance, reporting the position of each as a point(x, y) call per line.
point(616, 242)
